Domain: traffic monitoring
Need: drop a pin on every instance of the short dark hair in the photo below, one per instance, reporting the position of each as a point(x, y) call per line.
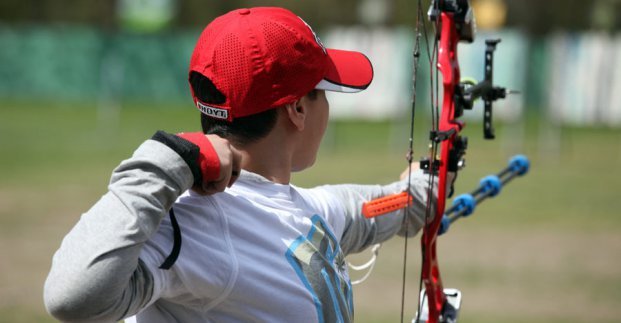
point(243, 130)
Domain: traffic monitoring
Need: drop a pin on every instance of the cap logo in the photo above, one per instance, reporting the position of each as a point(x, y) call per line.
point(316, 37)
point(214, 112)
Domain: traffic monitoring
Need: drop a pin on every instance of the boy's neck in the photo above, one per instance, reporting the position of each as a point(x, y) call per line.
point(270, 157)
point(274, 169)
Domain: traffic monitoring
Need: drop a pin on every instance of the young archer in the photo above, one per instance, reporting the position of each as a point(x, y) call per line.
point(206, 227)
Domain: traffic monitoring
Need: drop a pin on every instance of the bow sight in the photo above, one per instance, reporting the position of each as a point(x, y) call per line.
point(467, 92)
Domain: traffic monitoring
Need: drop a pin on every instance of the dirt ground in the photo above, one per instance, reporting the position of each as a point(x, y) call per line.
point(507, 276)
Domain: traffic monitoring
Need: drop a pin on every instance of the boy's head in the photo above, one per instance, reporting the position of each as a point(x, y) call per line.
point(250, 61)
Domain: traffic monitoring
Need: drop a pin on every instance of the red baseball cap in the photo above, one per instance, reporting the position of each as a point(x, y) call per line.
point(265, 57)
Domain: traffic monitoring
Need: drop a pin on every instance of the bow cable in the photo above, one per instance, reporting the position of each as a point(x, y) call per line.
point(421, 30)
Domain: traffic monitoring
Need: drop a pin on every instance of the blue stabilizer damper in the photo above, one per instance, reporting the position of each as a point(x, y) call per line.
point(491, 185)
point(519, 164)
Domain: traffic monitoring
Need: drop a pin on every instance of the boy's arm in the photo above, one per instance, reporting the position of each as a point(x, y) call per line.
point(360, 232)
point(96, 274)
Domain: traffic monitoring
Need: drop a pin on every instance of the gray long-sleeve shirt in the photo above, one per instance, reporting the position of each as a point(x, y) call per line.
point(259, 251)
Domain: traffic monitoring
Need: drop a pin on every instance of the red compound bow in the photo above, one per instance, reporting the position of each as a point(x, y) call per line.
point(454, 22)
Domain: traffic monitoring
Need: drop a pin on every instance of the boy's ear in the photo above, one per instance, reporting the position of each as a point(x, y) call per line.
point(296, 112)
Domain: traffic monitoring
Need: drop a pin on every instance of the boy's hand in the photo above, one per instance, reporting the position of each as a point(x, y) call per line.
point(230, 166)
point(450, 176)
point(414, 166)
point(218, 160)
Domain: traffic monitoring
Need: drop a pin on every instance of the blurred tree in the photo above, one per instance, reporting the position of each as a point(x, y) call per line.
point(317, 12)
point(542, 17)
point(57, 11)
point(533, 16)
point(146, 15)
point(538, 17)
point(605, 15)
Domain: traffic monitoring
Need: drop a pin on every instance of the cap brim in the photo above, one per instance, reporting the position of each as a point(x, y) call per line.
point(348, 71)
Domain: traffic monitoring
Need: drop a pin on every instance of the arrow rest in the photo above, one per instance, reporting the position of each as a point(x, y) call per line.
point(456, 160)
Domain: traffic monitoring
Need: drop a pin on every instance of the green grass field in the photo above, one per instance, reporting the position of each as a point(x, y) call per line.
point(548, 249)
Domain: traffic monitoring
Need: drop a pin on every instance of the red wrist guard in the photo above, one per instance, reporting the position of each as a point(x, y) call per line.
point(207, 160)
